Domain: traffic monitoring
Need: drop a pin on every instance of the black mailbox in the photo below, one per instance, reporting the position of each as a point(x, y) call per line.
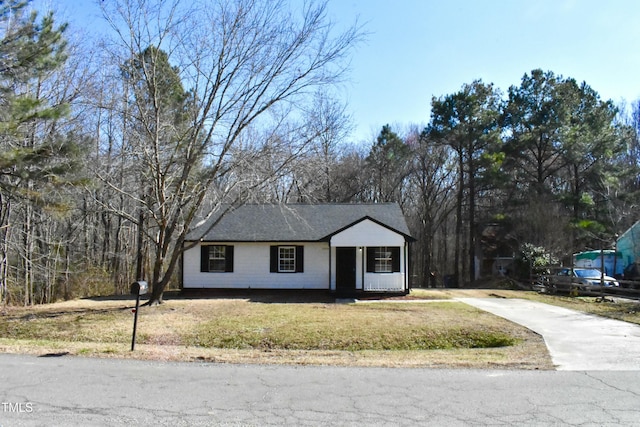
point(139, 288)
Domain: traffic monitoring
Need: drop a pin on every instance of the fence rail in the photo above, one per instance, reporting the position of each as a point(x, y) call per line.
point(384, 283)
point(551, 284)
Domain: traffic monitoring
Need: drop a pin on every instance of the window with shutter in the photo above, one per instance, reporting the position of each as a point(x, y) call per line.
point(216, 258)
point(287, 259)
point(383, 259)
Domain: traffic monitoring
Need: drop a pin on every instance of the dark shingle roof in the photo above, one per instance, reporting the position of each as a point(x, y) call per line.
point(295, 222)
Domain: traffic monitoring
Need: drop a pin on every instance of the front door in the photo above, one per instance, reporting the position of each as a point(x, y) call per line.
point(345, 269)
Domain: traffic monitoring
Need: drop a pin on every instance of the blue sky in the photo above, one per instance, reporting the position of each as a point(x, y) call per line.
point(417, 49)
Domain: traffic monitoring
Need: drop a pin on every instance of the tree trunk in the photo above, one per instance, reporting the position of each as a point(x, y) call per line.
point(5, 210)
point(27, 255)
point(140, 247)
point(460, 199)
point(472, 217)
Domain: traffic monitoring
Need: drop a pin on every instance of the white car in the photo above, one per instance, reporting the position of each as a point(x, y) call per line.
point(585, 276)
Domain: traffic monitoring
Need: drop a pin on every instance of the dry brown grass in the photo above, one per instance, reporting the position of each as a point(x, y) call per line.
point(236, 330)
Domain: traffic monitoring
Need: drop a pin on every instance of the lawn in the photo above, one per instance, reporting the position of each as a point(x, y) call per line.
point(409, 333)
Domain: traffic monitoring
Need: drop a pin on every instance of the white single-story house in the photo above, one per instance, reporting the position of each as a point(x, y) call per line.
point(343, 248)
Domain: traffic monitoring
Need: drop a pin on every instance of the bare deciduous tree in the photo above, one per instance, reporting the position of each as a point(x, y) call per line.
point(238, 60)
point(431, 187)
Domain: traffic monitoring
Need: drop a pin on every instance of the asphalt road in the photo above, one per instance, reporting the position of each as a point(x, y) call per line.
point(72, 391)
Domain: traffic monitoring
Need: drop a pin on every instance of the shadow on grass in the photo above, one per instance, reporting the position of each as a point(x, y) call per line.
point(296, 296)
point(66, 312)
point(267, 296)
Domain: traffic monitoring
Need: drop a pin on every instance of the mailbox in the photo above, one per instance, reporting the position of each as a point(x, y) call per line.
point(139, 288)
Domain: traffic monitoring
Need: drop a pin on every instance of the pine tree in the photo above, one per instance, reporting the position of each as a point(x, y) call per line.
point(32, 160)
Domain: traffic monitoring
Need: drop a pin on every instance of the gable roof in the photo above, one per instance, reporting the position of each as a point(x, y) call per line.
point(296, 222)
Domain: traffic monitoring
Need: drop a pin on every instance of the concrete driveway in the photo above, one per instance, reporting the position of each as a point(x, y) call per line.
point(576, 341)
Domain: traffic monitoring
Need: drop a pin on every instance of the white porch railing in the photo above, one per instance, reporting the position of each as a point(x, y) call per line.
point(384, 282)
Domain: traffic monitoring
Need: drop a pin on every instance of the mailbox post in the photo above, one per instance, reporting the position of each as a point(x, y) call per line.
point(137, 288)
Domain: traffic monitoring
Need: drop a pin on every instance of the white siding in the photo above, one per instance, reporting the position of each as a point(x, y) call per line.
point(251, 269)
point(367, 233)
point(370, 234)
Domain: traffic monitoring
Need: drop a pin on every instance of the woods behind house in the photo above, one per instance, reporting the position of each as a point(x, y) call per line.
point(113, 149)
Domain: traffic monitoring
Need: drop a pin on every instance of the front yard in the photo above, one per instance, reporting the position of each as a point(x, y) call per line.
point(236, 330)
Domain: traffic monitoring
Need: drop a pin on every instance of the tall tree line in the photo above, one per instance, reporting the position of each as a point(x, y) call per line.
point(111, 155)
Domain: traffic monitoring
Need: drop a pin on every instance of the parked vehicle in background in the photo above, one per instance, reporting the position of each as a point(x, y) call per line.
point(583, 278)
point(609, 259)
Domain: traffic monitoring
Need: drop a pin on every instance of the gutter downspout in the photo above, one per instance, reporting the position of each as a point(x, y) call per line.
point(363, 267)
point(406, 266)
point(330, 260)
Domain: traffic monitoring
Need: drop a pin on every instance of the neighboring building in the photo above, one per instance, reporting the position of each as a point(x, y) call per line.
point(612, 260)
point(344, 248)
point(495, 246)
point(628, 245)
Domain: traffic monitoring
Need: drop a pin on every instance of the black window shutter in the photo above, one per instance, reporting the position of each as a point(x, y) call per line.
point(395, 259)
point(204, 258)
point(371, 260)
point(273, 260)
point(299, 259)
point(228, 259)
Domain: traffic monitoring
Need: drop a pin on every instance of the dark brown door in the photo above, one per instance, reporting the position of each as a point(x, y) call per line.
point(345, 269)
